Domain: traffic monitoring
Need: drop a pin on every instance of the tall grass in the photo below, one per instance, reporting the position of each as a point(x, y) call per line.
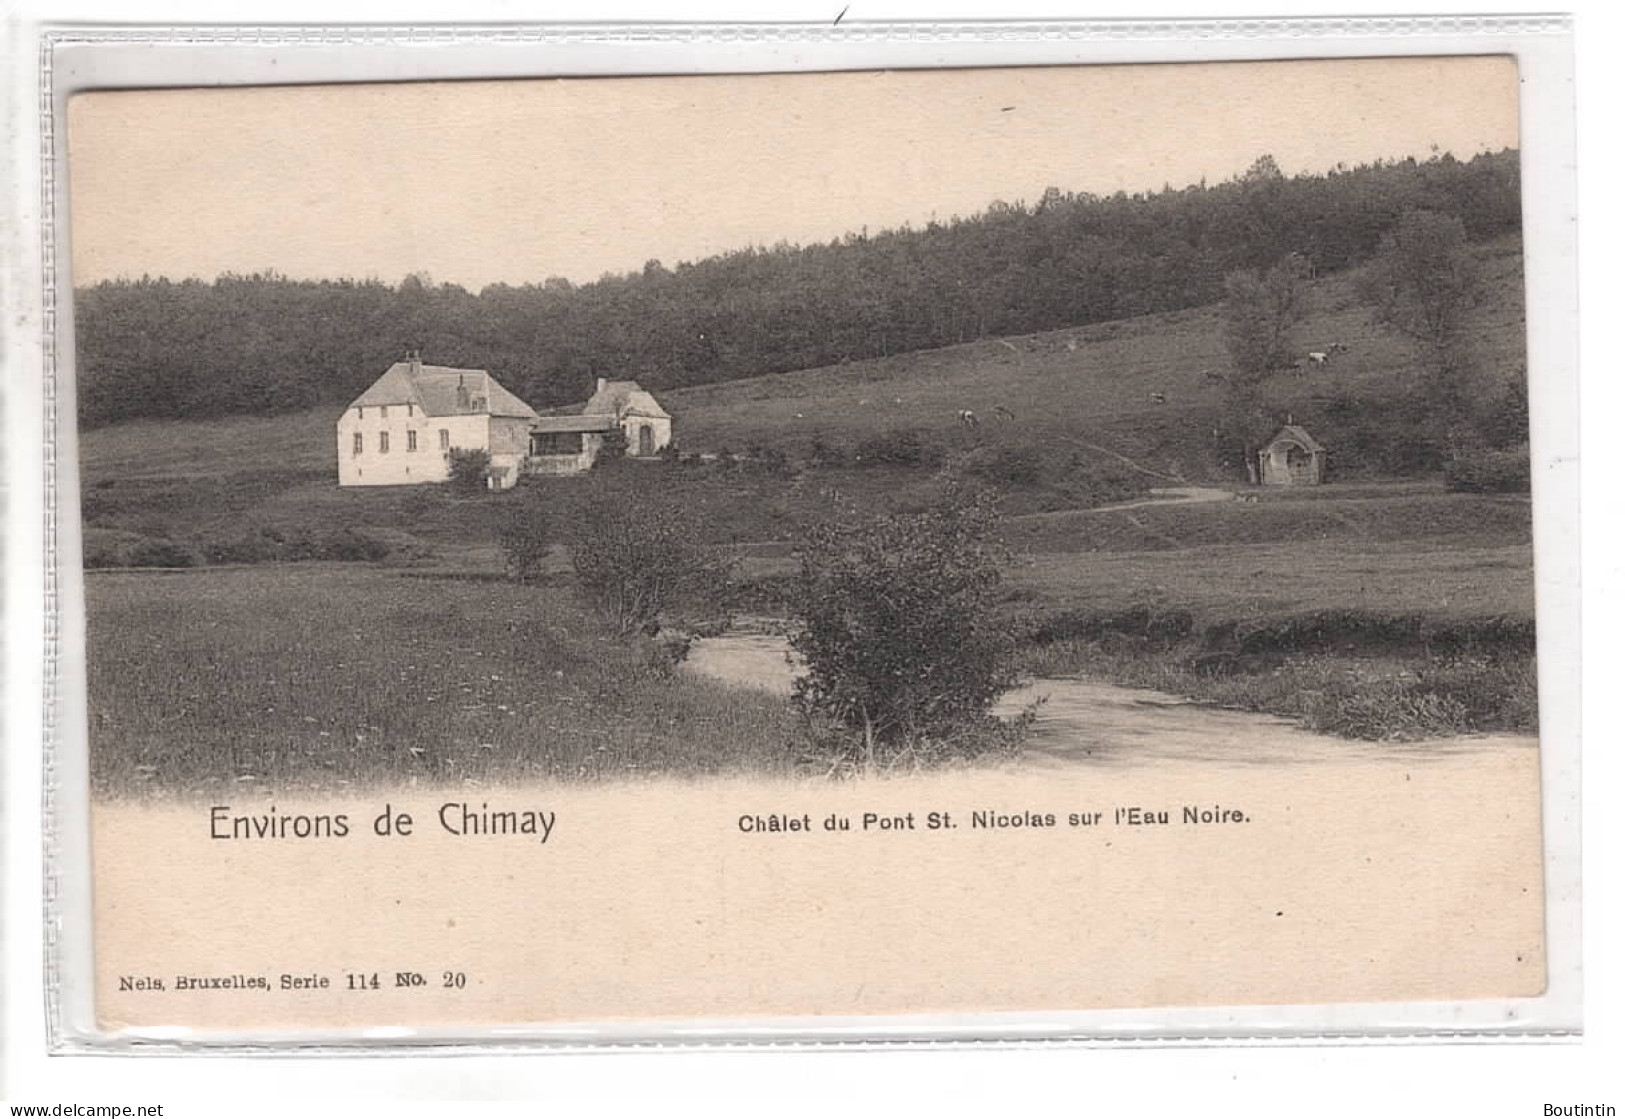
point(330, 677)
point(1403, 695)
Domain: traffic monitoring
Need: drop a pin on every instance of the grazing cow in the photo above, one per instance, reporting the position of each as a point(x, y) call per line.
point(1159, 398)
point(968, 418)
point(1317, 357)
point(1337, 348)
point(1003, 413)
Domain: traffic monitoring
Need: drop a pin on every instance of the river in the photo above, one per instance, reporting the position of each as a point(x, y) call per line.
point(1083, 720)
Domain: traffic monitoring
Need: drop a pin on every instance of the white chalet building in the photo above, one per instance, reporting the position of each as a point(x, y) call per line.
point(399, 431)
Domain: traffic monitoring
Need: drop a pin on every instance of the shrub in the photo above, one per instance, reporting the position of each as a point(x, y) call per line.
point(902, 446)
point(823, 453)
point(354, 545)
point(107, 548)
point(269, 544)
point(639, 562)
point(1006, 466)
point(1485, 471)
point(899, 626)
point(1149, 626)
point(611, 451)
point(769, 459)
point(470, 469)
point(1503, 419)
point(524, 537)
point(1387, 711)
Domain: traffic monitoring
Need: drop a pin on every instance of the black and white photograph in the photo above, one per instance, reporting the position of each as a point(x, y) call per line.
point(835, 499)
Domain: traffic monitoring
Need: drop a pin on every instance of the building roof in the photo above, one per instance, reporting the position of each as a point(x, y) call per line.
point(567, 424)
point(623, 398)
point(1292, 433)
point(435, 389)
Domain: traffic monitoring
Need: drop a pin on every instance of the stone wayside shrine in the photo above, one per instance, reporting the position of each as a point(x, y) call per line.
point(1292, 458)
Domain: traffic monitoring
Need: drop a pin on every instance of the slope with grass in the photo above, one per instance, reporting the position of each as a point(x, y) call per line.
point(325, 677)
point(1081, 399)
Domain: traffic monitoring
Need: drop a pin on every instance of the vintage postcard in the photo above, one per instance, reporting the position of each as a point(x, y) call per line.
point(806, 546)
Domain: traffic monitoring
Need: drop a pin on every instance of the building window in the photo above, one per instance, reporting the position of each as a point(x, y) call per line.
point(383, 442)
point(356, 446)
point(383, 411)
point(411, 441)
point(409, 411)
point(445, 440)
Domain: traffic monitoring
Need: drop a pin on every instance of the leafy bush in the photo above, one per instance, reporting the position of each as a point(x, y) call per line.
point(1389, 711)
point(1008, 465)
point(1393, 436)
point(353, 545)
point(902, 446)
point(106, 548)
point(274, 545)
point(1486, 471)
point(769, 459)
point(1155, 627)
point(637, 563)
point(525, 537)
point(611, 451)
point(1503, 418)
point(470, 469)
point(899, 626)
point(821, 452)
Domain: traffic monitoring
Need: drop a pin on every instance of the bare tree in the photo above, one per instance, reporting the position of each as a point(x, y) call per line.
point(1261, 312)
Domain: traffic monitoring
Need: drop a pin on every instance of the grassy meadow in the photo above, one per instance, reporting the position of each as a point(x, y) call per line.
point(334, 677)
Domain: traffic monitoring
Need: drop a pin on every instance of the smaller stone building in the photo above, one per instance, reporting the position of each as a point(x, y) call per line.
point(1292, 458)
point(568, 443)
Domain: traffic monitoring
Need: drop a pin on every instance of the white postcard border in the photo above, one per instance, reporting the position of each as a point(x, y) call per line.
point(84, 58)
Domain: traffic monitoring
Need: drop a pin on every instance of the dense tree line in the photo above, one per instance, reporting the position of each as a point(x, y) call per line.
point(264, 342)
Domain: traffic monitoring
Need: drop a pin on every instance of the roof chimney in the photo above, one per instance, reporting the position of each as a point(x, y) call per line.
point(601, 384)
point(462, 394)
point(415, 360)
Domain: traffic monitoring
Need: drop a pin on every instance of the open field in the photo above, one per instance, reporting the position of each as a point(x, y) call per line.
point(1226, 581)
point(336, 677)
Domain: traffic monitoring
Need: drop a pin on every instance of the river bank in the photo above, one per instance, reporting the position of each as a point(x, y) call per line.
point(1083, 720)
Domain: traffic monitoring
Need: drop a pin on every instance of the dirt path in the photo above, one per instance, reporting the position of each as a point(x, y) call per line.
point(1124, 459)
point(1170, 495)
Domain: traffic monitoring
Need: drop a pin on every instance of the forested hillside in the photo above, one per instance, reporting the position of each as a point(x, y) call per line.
point(265, 343)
